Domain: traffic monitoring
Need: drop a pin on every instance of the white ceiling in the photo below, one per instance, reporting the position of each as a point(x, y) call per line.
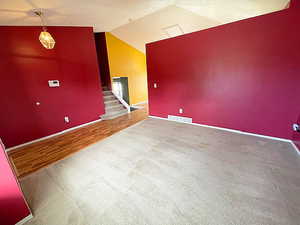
point(136, 21)
point(151, 27)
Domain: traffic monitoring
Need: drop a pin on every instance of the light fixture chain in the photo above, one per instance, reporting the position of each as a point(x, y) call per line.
point(40, 14)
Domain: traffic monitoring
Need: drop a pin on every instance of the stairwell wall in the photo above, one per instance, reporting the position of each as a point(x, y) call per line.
point(125, 60)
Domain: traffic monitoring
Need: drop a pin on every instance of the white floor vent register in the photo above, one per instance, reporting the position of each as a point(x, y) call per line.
point(180, 119)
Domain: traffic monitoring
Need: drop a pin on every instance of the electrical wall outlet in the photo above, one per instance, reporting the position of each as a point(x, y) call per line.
point(67, 120)
point(155, 85)
point(53, 83)
point(180, 110)
point(296, 127)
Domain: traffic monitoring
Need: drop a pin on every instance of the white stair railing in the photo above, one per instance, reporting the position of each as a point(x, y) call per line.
point(122, 101)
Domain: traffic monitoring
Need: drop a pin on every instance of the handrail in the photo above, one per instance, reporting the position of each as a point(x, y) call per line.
point(122, 101)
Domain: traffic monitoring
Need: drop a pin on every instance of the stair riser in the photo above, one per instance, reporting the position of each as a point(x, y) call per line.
point(109, 98)
point(113, 109)
point(109, 104)
point(114, 106)
point(107, 93)
point(109, 117)
point(111, 113)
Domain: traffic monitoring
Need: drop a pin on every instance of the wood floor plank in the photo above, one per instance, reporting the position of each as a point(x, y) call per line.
point(33, 157)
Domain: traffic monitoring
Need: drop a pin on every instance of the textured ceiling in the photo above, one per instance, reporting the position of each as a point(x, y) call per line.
point(136, 21)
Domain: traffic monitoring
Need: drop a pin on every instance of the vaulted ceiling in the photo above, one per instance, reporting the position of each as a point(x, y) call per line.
point(136, 21)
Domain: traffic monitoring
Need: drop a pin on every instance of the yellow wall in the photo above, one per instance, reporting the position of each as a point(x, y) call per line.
point(126, 61)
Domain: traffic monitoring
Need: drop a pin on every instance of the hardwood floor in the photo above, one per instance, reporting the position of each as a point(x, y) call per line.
point(35, 156)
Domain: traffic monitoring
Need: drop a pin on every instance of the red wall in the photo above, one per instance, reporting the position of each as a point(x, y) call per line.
point(295, 4)
point(25, 68)
point(244, 75)
point(12, 204)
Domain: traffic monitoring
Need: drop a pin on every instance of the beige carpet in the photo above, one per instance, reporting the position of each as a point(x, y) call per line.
point(166, 173)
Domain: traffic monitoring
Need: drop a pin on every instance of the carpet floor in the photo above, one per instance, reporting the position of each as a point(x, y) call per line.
point(166, 173)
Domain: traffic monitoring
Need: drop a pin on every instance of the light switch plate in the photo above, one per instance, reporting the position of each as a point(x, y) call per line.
point(296, 127)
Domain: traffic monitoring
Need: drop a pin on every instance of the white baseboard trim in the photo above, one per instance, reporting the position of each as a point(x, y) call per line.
point(227, 129)
point(26, 219)
point(52, 135)
point(139, 103)
point(295, 147)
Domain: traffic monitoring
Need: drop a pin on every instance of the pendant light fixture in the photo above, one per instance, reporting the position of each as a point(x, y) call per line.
point(45, 37)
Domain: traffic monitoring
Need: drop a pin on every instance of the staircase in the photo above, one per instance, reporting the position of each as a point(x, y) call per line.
point(113, 107)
